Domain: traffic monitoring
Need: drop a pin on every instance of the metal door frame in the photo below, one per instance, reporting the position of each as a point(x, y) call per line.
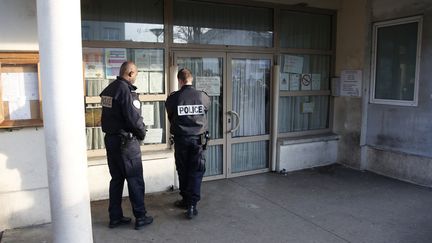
point(226, 141)
point(230, 141)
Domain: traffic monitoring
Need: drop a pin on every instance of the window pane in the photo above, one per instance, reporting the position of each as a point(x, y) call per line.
point(303, 113)
point(396, 62)
point(305, 31)
point(249, 156)
point(214, 160)
point(220, 24)
point(251, 96)
point(102, 66)
point(114, 20)
point(304, 72)
point(154, 119)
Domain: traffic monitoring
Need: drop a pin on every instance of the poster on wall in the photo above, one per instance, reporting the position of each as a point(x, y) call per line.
point(211, 85)
point(114, 57)
point(350, 83)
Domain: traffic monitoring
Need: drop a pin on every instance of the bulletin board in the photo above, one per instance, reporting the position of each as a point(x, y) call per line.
point(20, 93)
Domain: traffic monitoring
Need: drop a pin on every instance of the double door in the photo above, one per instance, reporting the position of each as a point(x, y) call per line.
point(239, 116)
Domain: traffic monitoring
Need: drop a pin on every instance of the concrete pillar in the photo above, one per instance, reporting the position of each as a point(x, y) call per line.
point(59, 30)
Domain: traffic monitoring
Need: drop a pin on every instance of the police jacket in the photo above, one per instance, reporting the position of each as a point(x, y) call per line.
point(187, 111)
point(121, 109)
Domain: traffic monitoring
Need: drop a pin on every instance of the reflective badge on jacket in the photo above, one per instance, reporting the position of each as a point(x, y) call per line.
point(106, 101)
point(190, 110)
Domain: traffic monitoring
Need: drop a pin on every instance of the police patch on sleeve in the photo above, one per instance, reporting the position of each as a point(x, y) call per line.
point(137, 104)
point(190, 110)
point(106, 101)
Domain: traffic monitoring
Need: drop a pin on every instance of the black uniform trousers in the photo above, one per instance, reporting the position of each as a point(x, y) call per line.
point(124, 162)
point(190, 162)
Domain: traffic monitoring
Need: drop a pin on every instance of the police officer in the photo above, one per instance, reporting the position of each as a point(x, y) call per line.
point(124, 128)
point(187, 113)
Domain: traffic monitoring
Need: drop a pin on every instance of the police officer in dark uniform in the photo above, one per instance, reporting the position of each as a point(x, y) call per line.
point(124, 129)
point(187, 113)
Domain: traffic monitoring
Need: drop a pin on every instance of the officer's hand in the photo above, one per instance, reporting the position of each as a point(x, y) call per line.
point(201, 164)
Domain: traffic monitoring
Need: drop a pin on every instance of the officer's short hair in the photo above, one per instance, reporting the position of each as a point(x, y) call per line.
point(126, 67)
point(184, 74)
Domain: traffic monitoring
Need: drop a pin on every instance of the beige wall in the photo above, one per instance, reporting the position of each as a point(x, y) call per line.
point(351, 43)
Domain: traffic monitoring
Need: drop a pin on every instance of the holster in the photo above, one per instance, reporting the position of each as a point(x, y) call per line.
point(205, 137)
point(125, 137)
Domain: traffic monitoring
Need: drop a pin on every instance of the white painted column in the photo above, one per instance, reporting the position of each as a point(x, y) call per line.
point(173, 86)
point(275, 105)
point(59, 30)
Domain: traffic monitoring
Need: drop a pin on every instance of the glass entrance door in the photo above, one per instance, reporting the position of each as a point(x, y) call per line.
point(248, 113)
point(209, 75)
point(239, 116)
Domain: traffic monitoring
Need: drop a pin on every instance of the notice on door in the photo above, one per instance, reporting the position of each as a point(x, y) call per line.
point(211, 85)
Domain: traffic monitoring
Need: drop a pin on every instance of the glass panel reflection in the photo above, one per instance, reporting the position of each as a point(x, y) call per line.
point(222, 24)
point(301, 113)
point(250, 96)
point(249, 156)
point(214, 162)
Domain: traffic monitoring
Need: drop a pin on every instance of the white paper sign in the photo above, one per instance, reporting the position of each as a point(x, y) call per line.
point(316, 81)
point(308, 107)
point(142, 82)
point(156, 82)
point(294, 81)
point(211, 85)
point(10, 86)
point(20, 86)
point(293, 64)
point(153, 135)
point(306, 81)
point(350, 82)
point(147, 112)
point(19, 109)
point(284, 81)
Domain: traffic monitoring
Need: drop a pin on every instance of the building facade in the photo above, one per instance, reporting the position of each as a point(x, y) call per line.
point(293, 86)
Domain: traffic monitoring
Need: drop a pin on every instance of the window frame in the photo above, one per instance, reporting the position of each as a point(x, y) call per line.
point(389, 23)
point(142, 97)
point(282, 51)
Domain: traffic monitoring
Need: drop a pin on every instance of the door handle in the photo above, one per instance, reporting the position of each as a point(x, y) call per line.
point(238, 120)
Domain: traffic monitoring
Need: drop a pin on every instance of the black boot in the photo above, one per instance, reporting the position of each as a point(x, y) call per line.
point(143, 221)
point(191, 212)
point(117, 222)
point(181, 204)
